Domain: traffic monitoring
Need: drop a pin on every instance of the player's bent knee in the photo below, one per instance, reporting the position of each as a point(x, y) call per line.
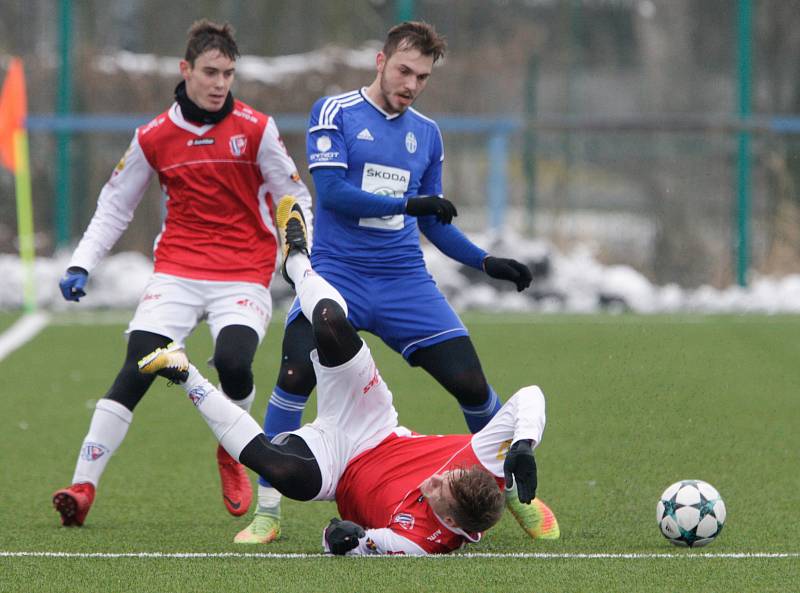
point(328, 312)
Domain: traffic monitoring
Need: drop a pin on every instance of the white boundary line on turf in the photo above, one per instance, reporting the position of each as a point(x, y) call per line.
point(23, 330)
point(533, 555)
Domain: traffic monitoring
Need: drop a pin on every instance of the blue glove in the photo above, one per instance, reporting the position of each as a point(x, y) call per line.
point(73, 282)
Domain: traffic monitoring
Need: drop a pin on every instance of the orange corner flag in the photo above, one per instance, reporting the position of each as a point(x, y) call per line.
point(13, 111)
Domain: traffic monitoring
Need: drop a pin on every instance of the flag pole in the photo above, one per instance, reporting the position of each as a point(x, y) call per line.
point(27, 251)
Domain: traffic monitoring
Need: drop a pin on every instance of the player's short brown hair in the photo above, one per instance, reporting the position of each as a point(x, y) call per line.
point(417, 35)
point(477, 499)
point(205, 35)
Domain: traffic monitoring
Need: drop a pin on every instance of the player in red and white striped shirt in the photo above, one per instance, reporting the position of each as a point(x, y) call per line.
point(398, 492)
point(221, 166)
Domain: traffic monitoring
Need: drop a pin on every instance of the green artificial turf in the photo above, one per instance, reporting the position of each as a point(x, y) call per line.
point(634, 404)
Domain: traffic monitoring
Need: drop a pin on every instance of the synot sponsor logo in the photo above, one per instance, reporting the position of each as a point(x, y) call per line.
point(246, 114)
point(375, 380)
point(253, 306)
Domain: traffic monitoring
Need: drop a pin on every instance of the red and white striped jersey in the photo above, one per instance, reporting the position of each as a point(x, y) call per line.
point(221, 182)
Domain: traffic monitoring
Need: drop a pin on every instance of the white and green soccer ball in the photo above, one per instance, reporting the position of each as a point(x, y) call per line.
point(690, 513)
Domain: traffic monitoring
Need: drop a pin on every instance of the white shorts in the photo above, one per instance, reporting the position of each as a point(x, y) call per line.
point(173, 306)
point(354, 413)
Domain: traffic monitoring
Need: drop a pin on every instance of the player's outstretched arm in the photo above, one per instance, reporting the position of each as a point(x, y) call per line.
point(115, 207)
point(508, 269)
point(351, 539)
point(335, 193)
point(436, 206)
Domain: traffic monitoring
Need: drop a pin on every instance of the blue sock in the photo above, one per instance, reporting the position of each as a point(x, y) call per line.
point(478, 416)
point(284, 413)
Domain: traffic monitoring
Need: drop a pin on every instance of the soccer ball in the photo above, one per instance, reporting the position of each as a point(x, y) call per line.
point(690, 513)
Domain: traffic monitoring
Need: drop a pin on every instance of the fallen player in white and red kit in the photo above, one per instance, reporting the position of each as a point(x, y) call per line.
point(397, 492)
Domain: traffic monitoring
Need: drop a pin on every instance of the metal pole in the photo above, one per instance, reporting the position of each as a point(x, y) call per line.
point(744, 55)
point(529, 148)
point(496, 179)
point(63, 206)
point(404, 10)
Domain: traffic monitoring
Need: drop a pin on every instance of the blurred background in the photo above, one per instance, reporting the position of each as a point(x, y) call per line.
point(656, 134)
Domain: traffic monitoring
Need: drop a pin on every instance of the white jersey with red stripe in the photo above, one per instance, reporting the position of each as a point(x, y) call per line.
point(379, 489)
point(221, 181)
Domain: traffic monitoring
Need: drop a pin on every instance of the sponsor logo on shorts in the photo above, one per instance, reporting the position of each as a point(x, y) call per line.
point(151, 296)
point(238, 144)
point(197, 395)
point(405, 520)
point(93, 451)
point(200, 142)
point(371, 545)
point(376, 380)
point(295, 176)
point(253, 306)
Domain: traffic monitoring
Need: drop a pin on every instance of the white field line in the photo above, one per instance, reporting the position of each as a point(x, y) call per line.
point(688, 555)
point(24, 329)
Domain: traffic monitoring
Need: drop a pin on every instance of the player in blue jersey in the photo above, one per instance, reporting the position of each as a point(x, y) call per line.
point(377, 169)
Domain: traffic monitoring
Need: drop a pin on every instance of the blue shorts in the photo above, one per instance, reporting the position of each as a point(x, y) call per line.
point(406, 310)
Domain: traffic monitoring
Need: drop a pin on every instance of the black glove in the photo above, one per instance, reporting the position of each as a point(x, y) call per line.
point(442, 209)
point(521, 464)
point(342, 536)
point(508, 269)
point(72, 283)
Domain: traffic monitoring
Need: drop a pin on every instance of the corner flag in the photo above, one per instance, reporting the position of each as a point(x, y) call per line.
point(14, 156)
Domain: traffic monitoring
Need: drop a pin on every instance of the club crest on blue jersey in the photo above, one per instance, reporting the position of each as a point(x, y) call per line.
point(197, 395)
point(411, 142)
point(238, 144)
point(93, 451)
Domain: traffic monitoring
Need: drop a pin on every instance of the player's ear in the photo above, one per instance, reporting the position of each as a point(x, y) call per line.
point(450, 522)
point(380, 61)
point(186, 69)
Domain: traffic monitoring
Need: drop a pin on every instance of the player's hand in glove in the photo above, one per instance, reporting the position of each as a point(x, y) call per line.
point(73, 282)
point(508, 269)
point(342, 536)
point(442, 209)
point(521, 465)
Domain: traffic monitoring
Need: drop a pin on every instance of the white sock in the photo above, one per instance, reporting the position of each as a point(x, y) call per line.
point(233, 427)
point(107, 430)
point(310, 287)
point(245, 403)
point(269, 501)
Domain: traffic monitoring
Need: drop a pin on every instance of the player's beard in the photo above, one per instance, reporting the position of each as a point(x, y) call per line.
point(387, 94)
